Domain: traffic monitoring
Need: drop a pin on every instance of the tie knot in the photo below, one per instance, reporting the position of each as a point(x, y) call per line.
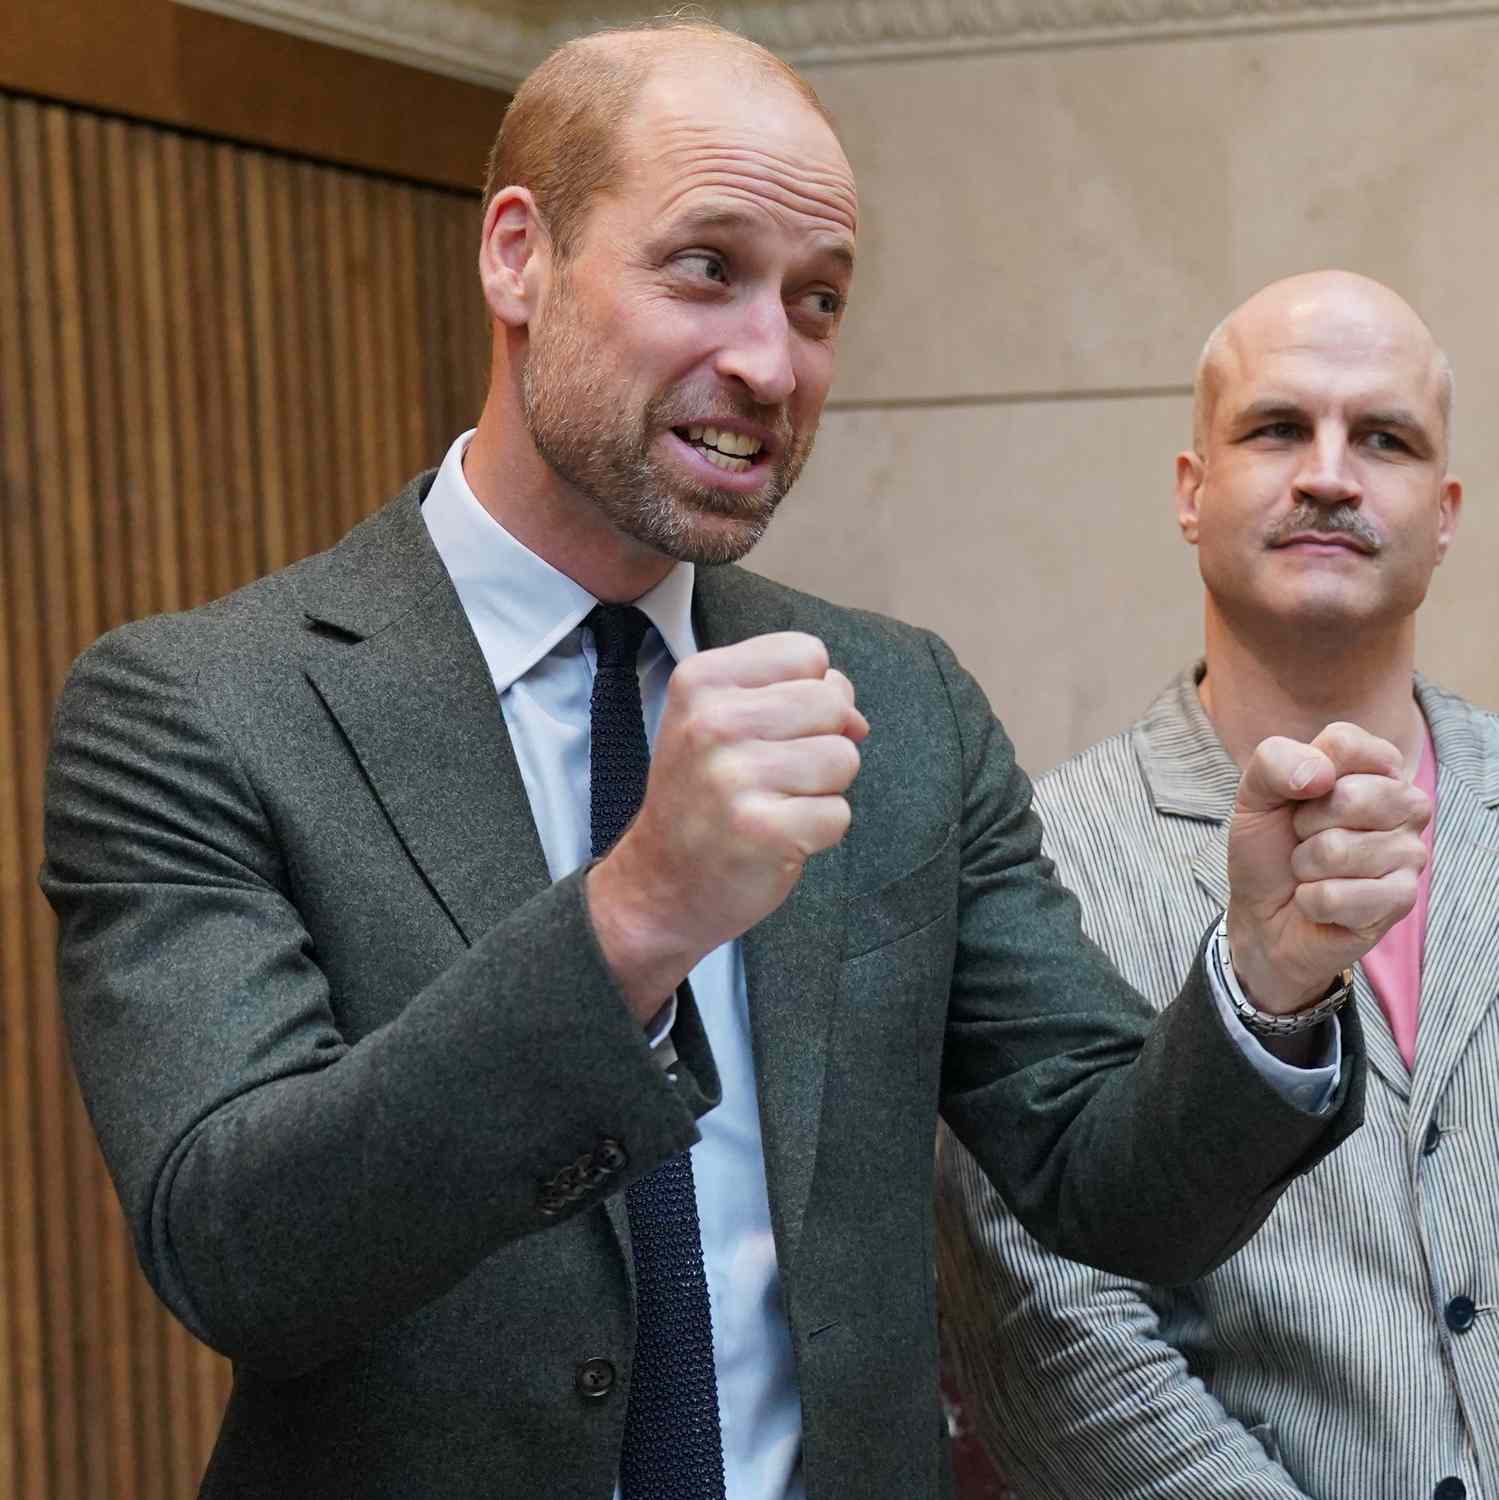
point(618, 630)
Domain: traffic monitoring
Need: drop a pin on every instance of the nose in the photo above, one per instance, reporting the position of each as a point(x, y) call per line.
point(757, 351)
point(1327, 476)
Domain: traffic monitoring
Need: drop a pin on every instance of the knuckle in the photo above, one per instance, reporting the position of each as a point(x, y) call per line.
point(702, 724)
point(816, 659)
point(730, 770)
point(750, 822)
point(1418, 807)
point(843, 815)
point(848, 761)
point(839, 819)
point(1311, 901)
point(1335, 847)
point(685, 676)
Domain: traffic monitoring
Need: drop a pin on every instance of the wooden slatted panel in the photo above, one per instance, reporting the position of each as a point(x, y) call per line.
point(213, 360)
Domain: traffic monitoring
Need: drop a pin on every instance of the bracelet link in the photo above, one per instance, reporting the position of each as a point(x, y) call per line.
point(1262, 1023)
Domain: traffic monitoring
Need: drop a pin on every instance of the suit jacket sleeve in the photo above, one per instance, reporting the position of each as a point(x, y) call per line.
point(1065, 1375)
point(290, 1193)
point(1145, 1146)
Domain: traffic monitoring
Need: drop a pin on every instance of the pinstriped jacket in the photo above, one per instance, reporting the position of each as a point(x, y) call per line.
point(1333, 1356)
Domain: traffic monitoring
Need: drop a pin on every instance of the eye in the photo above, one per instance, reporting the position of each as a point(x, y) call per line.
point(705, 265)
point(822, 305)
point(1278, 432)
point(1388, 442)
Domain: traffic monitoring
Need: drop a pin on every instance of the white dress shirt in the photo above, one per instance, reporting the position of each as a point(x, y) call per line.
point(527, 618)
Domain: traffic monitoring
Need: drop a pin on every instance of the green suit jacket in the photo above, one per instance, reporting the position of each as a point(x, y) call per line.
point(346, 1047)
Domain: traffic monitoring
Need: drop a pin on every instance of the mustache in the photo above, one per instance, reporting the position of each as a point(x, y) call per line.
point(1336, 520)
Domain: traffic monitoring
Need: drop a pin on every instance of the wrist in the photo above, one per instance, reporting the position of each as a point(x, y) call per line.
point(1264, 983)
point(1283, 1026)
point(646, 957)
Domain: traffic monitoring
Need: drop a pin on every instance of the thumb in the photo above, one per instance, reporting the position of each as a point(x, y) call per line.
point(1283, 770)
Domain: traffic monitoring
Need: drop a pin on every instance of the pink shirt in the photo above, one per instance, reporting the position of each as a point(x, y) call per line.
point(1393, 966)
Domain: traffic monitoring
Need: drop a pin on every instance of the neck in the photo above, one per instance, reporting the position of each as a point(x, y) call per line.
point(512, 481)
point(1304, 679)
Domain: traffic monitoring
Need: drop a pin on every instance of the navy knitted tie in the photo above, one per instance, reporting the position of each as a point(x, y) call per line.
point(673, 1449)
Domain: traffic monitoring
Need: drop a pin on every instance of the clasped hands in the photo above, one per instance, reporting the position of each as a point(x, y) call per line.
point(759, 744)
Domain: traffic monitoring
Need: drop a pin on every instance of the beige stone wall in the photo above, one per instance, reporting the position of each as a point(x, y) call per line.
point(1047, 238)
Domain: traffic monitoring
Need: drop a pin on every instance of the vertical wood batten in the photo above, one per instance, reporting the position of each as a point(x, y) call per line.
point(41, 549)
point(344, 437)
point(72, 598)
point(320, 503)
point(233, 308)
point(23, 1417)
point(212, 360)
point(111, 1301)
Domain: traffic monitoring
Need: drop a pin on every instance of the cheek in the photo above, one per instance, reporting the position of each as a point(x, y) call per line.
point(814, 365)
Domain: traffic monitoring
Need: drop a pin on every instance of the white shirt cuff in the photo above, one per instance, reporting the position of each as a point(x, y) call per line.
point(658, 1033)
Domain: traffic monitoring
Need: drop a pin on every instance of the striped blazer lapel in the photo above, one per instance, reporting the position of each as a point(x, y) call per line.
point(1461, 977)
point(1379, 1041)
point(1190, 775)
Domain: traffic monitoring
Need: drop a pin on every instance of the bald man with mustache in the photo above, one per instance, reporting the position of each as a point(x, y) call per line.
point(1351, 1350)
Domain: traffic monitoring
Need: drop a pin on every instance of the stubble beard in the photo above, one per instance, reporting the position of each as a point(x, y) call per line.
point(604, 451)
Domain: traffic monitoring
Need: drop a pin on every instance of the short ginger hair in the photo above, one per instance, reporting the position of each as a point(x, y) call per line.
point(560, 138)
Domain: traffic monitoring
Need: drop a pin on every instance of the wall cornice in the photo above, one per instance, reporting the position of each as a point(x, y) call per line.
point(497, 42)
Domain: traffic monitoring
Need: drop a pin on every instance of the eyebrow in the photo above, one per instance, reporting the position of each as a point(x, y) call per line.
point(1395, 416)
point(1269, 411)
point(710, 216)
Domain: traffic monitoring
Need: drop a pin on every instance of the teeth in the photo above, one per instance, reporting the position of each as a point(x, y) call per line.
point(720, 440)
point(723, 461)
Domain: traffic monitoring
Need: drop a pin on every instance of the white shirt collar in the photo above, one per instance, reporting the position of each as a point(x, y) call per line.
point(524, 604)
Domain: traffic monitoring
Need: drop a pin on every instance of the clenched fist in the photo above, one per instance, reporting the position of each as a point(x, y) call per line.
point(757, 746)
point(1324, 857)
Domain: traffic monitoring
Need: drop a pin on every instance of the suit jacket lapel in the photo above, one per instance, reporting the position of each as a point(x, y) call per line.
point(790, 959)
point(1461, 970)
point(412, 693)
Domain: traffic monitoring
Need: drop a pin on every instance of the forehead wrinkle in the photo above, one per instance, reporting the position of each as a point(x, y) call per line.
point(759, 199)
point(760, 165)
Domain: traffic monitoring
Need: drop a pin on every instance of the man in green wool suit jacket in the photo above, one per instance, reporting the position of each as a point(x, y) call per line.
point(382, 1062)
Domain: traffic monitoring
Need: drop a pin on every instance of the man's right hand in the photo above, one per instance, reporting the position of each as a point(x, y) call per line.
point(757, 746)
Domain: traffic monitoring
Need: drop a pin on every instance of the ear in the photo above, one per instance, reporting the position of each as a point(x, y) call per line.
point(515, 256)
point(1190, 472)
point(1449, 507)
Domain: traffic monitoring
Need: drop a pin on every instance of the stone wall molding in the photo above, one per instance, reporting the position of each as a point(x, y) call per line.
point(497, 42)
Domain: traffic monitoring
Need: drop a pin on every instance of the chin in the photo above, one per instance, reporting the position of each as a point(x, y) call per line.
point(704, 527)
point(722, 541)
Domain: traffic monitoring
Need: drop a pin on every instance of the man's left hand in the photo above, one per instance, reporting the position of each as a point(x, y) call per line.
point(1324, 857)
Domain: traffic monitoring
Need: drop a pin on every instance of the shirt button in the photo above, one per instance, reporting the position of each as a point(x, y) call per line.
point(1433, 1139)
point(1451, 1488)
point(595, 1378)
point(1459, 1315)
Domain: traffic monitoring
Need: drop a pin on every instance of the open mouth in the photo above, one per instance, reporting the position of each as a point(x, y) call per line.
point(733, 452)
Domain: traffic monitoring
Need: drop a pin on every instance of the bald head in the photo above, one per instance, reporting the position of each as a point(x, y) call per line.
point(1348, 321)
point(562, 136)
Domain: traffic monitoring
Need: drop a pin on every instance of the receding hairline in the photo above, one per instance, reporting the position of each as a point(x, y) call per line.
point(1215, 350)
point(652, 43)
point(615, 64)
